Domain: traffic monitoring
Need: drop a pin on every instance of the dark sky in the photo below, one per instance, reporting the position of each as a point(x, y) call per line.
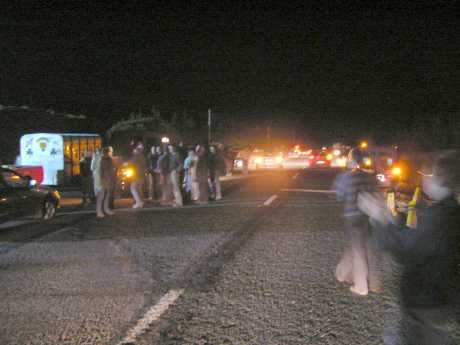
point(307, 63)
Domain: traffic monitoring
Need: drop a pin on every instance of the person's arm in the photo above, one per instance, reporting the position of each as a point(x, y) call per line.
point(422, 241)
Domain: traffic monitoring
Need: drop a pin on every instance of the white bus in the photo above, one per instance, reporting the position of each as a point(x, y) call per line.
point(58, 153)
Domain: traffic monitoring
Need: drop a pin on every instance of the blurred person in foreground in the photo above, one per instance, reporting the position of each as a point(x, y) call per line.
point(358, 263)
point(107, 181)
point(427, 256)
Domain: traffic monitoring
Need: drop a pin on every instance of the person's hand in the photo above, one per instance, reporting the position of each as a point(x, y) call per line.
point(401, 206)
point(374, 206)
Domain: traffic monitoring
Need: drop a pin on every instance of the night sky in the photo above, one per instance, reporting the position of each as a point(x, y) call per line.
point(311, 65)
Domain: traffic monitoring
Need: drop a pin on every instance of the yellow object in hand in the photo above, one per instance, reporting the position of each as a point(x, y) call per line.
point(411, 221)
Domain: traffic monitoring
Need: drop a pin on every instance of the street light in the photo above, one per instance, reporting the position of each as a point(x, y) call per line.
point(363, 144)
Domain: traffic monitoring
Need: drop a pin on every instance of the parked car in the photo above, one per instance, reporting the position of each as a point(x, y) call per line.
point(21, 197)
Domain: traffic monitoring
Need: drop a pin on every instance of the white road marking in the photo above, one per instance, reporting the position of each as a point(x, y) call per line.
point(324, 191)
point(269, 200)
point(152, 315)
point(295, 176)
point(15, 223)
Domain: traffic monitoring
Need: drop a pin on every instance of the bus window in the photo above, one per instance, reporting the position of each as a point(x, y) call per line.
point(97, 143)
point(83, 146)
point(75, 156)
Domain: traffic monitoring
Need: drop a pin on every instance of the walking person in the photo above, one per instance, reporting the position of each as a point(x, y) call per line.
point(137, 182)
point(202, 176)
point(86, 176)
point(175, 167)
point(358, 263)
point(107, 181)
point(427, 256)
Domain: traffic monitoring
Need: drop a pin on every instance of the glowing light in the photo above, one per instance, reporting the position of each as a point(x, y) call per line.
point(336, 152)
point(363, 144)
point(279, 159)
point(128, 172)
point(329, 157)
point(396, 171)
point(367, 162)
point(165, 140)
point(342, 162)
point(258, 160)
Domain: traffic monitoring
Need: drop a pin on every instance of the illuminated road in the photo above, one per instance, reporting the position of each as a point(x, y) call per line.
point(254, 268)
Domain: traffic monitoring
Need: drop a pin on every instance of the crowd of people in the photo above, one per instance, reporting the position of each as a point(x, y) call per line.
point(426, 253)
point(167, 174)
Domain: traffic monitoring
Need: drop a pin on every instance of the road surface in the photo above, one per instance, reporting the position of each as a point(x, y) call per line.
point(254, 268)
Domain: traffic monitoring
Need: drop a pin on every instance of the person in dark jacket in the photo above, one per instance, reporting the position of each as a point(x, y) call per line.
point(358, 263)
point(202, 175)
point(428, 257)
point(107, 177)
point(86, 176)
point(217, 169)
point(154, 176)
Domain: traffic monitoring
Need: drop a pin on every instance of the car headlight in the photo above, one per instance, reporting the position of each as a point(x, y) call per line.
point(239, 163)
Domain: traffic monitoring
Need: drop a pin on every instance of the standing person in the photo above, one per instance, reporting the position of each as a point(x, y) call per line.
point(96, 170)
point(202, 174)
point(86, 176)
point(357, 265)
point(163, 168)
point(189, 167)
point(217, 169)
point(175, 167)
point(137, 183)
point(107, 180)
point(428, 257)
point(153, 174)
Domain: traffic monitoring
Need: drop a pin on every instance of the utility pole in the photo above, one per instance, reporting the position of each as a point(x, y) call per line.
point(209, 126)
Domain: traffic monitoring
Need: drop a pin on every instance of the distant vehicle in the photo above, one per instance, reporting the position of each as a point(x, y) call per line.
point(296, 160)
point(319, 158)
point(20, 197)
point(266, 160)
point(384, 163)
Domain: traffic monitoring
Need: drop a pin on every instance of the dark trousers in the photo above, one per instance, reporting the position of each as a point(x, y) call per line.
point(87, 192)
point(421, 326)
